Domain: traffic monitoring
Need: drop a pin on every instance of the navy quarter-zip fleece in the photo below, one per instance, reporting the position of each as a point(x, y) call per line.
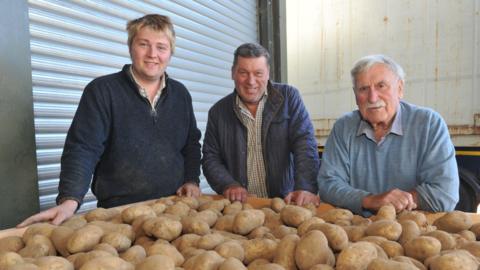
point(134, 153)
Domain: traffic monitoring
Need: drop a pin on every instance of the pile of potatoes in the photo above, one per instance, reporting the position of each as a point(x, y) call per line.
point(187, 233)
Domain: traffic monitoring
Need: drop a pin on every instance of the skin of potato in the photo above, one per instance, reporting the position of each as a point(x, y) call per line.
point(168, 250)
point(130, 213)
point(293, 215)
point(194, 225)
point(59, 237)
point(383, 264)
point(117, 240)
point(285, 256)
point(210, 241)
point(355, 233)
point(232, 263)
point(53, 263)
point(163, 228)
point(303, 228)
point(259, 248)
point(11, 243)
point(446, 240)
point(107, 263)
point(277, 204)
point(392, 248)
point(204, 261)
point(247, 220)
point(356, 256)
point(156, 262)
point(38, 246)
point(422, 247)
point(134, 254)
point(454, 259)
point(336, 235)
point(231, 248)
point(386, 228)
point(410, 230)
point(386, 212)
point(101, 214)
point(454, 222)
point(45, 229)
point(9, 258)
point(313, 249)
point(333, 215)
point(84, 239)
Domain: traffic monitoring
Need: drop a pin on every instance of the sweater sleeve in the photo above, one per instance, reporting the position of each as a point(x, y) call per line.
point(303, 144)
point(212, 164)
point(437, 171)
point(191, 150)
point(85, 143)
point(334, 177)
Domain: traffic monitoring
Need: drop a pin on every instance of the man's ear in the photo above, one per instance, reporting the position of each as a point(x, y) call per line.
point(400, 89)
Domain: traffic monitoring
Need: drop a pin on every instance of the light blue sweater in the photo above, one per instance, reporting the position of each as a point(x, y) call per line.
point(419, 156)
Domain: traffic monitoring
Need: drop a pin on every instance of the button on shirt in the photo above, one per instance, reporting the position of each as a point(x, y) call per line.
point(143, 91)
point(255, 163)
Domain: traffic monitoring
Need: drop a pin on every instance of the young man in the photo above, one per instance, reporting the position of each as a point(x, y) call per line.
point(260, 139)
point(388, 151)
point(134, 131)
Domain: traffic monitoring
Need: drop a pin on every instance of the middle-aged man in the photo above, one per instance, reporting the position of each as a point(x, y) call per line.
point(134, 130)
point(259, 139)
point(388, 151)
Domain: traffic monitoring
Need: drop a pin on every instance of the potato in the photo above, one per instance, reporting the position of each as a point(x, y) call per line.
point(160, 262)
point(194, 225)
point(360, 221)
point(37, 246)
point(107, 227)
point(392, 249)
point(446, 240)
point(59, 237)
point(422, 247)
point(383, 264)
point(476, 230)
point(377, 240)
point(117, 240)
point(356, 256)
point(247, 220)
point(216, 205)
point(355, 233)
point(333, 215)
point(134, 254)
point(454, 222)
point(192, 252)
point(162, 227)
point(415, 216)
point(84, 257)
point(144, 241)
point(178, 209)
point(107, 263)
point(277, 204)
point(231, 236)
point(321, 267)
point(259, 232)
point(107, 248)
point(303, 228)
point(282, 231)
point(231, 248)
point(293, 215)
point(386, 228)
point(313, 249)
point(233, 208)
point(409, 260)
point(210, 241)
point(285, 255)
point(336, 235)
point(468, 235)
point(410, 230)
point(387, 212)
point(473, 248)
point(272, 219)
point(45, 229)
point(102, 214)
point(192, 202)
point(256, 263)
point(9, 258)
point(452, 259)
point(11, 243)
point(24, 266)
point(232, 263)
point(259, 248)
point(208, 260)
point(225, 223)
point(132, 212)
point(267, 266)
point(53, 263)
point(186, 241)
point(209, 216)
point(158, 208)
point(84, 239)
point(168, 250)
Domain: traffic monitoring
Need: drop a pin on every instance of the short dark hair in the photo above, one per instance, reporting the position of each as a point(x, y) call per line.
point(250, 50)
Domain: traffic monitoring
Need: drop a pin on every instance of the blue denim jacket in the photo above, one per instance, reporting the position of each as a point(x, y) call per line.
point(289, 145)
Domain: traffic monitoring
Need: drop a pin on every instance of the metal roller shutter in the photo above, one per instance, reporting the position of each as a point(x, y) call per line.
point(73, 42)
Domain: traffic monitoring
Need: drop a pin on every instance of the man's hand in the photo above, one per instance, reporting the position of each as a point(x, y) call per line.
point(401, 200)
point(55, 215)
point(236, 193)
point(302, 197)
point(189, 190)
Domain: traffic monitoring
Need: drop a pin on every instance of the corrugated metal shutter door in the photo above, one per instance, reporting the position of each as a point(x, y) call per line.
point(73, 42)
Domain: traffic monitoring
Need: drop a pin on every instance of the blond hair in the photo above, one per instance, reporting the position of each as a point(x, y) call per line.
point(156, 22)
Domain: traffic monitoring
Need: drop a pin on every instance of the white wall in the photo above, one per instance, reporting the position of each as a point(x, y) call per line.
point(436, 42)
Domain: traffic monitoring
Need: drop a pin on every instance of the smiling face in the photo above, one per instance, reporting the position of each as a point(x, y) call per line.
point(378, 92)
point(150, 52)
point(251, 76)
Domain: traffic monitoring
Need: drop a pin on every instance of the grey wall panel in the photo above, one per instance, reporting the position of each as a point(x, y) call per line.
point(72, 42)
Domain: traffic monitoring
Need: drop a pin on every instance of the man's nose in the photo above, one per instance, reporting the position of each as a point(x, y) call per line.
point(372, 95)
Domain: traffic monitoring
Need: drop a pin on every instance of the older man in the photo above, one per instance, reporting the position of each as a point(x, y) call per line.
point(259, 139)
point(134, 131)
point(388, 151)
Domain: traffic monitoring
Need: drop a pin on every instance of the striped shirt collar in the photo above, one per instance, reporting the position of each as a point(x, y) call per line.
point(243, 108)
